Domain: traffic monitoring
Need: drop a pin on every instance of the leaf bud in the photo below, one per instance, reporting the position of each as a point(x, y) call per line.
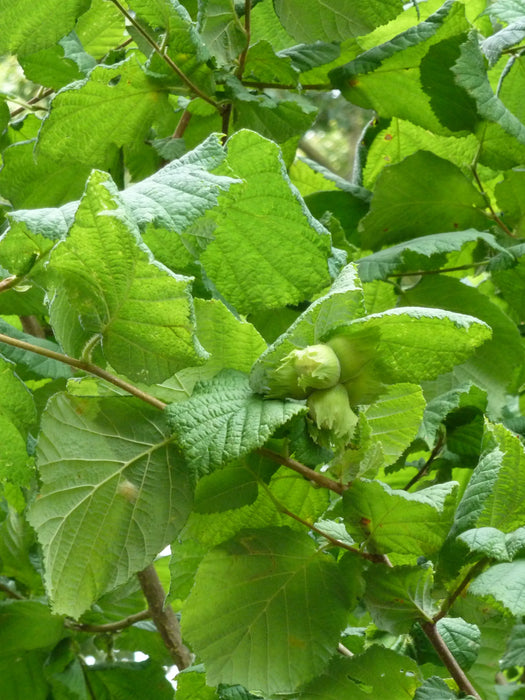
point(330, 410)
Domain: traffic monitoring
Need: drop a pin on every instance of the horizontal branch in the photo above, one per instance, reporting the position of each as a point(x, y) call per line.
point(116, 626)
point(85, 367)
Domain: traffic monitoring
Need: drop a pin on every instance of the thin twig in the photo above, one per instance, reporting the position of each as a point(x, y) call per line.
point(247, 31)
point(450, 662)
point(424, 469)
point(414, 273)
point(174, 67)
point(164, 618)
point(493, 214)
point(183, 123)
point(116, 626)
point(283, 86)
point(449, 602)
point(10, 592)
point(31, 102)
point(85, 367)
point(303, 470)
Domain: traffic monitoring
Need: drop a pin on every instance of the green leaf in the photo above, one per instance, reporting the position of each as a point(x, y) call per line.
point(338, 306)
point(388, 78)
point(114, 493)
point(484, 368)
point(26, 625)
point(114, 106)
point(507, 10)
point(264, 65)
point(23, 675)
point(471, 74)
point(222, 30)
point(278, 121)
point(422, 193)
point(505, 583)
point(508, 194)
point(129, 680)
point(394, 419)
point(291, 626)
point(383, 518)
point(398, 597)
point(224, 420)
point(191, 685)
point(462, 639)
point(35, 365)
point(515, 653)
point(101, 28)
point(493, 46)
point(139, 310)
point(422, 253)
point(51, 67)
point(274, 258)
point(32, 28)
point(434, 688)
point(334, 20)
point(358, 678)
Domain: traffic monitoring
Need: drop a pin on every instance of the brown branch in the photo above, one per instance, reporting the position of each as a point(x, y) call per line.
point(32, 326)
point(32, 102)
point(116, 626)
point(174, 67)
point(183, 123)
point(164, 618)
point(9, 283)
point(247, 32)
point(450, 662)
point(424, 469)
point(319, 479)
point(85, 367)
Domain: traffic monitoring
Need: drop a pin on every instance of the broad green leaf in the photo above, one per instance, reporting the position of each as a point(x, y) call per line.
point(14, 461)
point(277, 121)
point(224, 420)
point(17, 402)
point(515, 653)
point(444, 401)
point(289, 624)
point(505, 583)
point(263, 65)
point(462, 639)
point(507, 10)
point(394, 419)
point(139, 310)
point(491, 542)
point(388, 77)
point(397, 597)
point(434, 688)
point(33, 27)
point(51, 67)
point(334, 20)
point(27, 182)
point(191, 685)
point(114, 493)
point(101, 28)
point(222, 30)
point(26, 625)
point(504, 507)
point(265, 25)
point(271, 258)
point(17, 417)
point(17, 540)
point(383, 518)
point(35, 365)
point(184, 562)
point(401, 138)
point(129, 679)
point(421, 193)
point(226, 489)
point(358, 678)
point(485, 368)
point(471, 74)
point(493, 46)
point(343, 302)
point(23, 675)
point(422, 253)
point(114, 106)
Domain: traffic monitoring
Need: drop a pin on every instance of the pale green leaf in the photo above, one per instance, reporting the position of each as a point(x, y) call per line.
point(399, 596)
point(101, 28)
point(334, 20)
point(267, 249)
point(421, 193)
point(358, 678)
point(383, 518)
point(462, 639)
point(515, 653)
point(394, 419)
point(485, 367)
point(224, 420)
point(114, 493)
point(494, 45)
point(285, 630)
point(493, 543)
point(29, 27)
point(222, 30)
point(51, 67)
point(505, 583)
point(507, 10)
point(88, 121)
point(140, 312)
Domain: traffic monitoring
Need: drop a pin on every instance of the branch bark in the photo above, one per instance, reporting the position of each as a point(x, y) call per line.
point(303, 470)
point(116, 626)
point(164, 618)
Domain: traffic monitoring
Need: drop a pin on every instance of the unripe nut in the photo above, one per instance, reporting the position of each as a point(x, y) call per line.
point(317, 367)
point(330, 409)
point(353, 354)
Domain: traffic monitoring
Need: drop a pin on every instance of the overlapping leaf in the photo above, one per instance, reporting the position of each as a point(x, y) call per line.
point(108, 287)
point(280, 637)
point(224, 420)
point(114, 493)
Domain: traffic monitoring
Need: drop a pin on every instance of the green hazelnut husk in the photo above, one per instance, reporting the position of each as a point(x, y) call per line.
point(353, 354)
point(317, 367)
point(331, 411)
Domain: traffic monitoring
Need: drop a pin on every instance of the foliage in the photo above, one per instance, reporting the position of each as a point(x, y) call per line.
point(309, 387)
